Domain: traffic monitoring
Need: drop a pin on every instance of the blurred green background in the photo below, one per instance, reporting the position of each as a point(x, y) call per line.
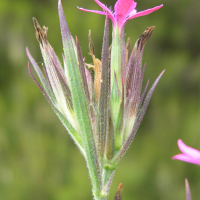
point(38, 160)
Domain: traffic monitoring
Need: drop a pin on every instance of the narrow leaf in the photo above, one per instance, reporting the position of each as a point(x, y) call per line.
point(143, 94)
point(61, 74)
point(41, 76)
point(135, 102)
point(80, 103)
point(72, 132)
point(54, 73)
point(126, 144)
point(104, 92)
point(135, 61)
point(82, 71)
point(86, 83)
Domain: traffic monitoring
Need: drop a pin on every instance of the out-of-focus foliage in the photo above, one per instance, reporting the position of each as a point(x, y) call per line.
point(38, 160)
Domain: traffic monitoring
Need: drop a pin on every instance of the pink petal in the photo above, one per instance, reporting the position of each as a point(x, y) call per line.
point(123, 8)
point(144, 12)
point(93, 11)
point(188, 151)
point(106, 9)
point(185, 158)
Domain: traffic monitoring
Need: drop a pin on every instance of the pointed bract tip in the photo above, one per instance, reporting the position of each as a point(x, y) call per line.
point(41, 34)
point(187, 190)
point(76, 39)
point(144, 37)
point(156, 81)
point(59, 5)
point(147, 33)
point(120, 187)
point(163, 72)
point(118, 195)
point(160, 76)
point(27, 51)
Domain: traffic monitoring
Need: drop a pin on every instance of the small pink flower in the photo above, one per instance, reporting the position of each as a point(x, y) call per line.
point(123, 11)
point(189, 154)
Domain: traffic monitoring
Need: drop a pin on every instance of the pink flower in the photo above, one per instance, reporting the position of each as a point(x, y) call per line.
point(123, 11)
point(189, 154)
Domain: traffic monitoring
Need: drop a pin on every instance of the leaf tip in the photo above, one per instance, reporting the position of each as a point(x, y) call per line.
point(41, 34)
point(118, 195)
point(59, 3)
point(187, 189)
point(144, 37)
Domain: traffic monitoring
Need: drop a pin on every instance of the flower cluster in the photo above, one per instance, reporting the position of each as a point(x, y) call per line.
point(101, 113)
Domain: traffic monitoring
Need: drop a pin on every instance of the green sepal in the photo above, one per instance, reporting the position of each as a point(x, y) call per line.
point(116, 58)
point(116, 80)
point(118, 129)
